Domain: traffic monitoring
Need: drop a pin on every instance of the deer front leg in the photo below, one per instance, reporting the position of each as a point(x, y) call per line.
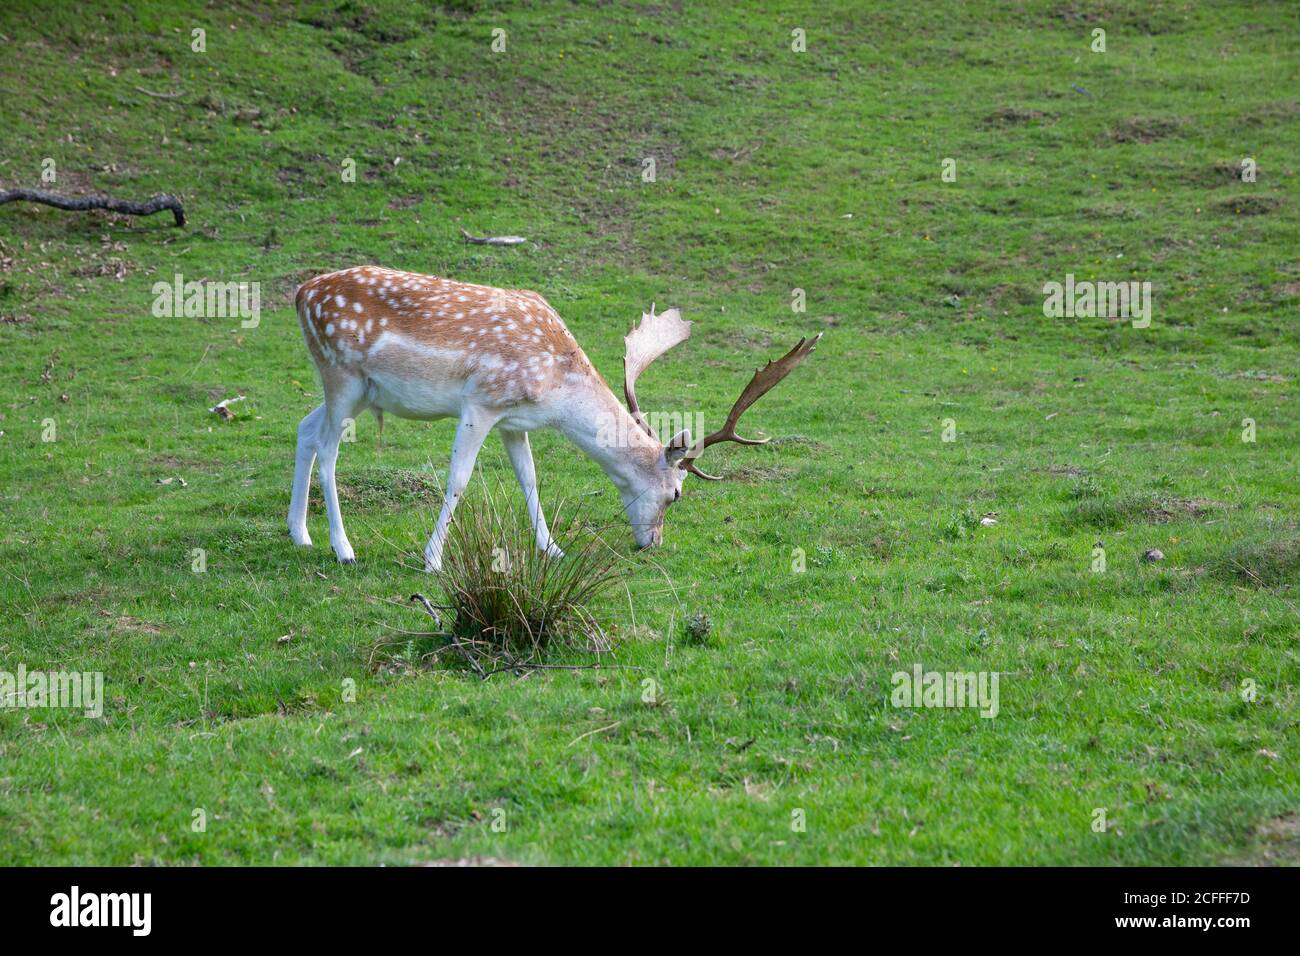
point(470, 433)
point(342, 401)
point(308, 430)
point(521, 458)
point(327, 450)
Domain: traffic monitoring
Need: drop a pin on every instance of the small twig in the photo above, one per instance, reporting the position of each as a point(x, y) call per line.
point(460, 649)
point(455, 644)
point(403, 631)
point(428, 605)
point(596, 731)
point(395, 603)
point(81, 203)
point(161, 96)
point(493, 240)
point(199, 362)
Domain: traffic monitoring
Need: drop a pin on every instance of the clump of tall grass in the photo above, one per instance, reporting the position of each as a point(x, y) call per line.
point(507, 603)
point(1261, 562)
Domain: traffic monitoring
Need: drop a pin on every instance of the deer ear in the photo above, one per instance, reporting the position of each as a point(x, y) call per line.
point(677, 448)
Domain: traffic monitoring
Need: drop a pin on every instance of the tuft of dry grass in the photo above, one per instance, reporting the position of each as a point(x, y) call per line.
point(1144, 129)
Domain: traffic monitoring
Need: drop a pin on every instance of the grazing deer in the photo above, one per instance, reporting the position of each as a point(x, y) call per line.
point(423, 347)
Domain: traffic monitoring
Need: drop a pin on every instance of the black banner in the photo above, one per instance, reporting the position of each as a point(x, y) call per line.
point(333, 906)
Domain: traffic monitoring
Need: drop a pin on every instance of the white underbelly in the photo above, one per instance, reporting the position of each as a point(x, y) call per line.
point(524, 417)
point(422, 399)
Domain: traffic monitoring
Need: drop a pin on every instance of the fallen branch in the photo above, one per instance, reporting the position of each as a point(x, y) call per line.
point(493, 240)
point(428, 605)
point(455, 645)
point(81, 203)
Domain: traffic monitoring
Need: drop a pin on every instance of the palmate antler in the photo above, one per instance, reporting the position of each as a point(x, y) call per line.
point(764, 380)
point(646, 342)
point(656, 335)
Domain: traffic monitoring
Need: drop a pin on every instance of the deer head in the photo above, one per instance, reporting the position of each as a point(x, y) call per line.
point(663, 467)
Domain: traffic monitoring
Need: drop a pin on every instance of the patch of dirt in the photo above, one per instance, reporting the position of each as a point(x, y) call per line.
point(1147, 19)
point(1063, 471)
point(1276, 843)
point(1279, 112)
point(72, 182)
point(295, 180)
point(1009, 294)
point(114, 268)
point(1257, 375)
point(368, 23)
point(1226, 172)
point(610, 218)
point(94, 595)
point(1143, 129)
point(1248, 205)
point(301, 170)
point(1170, 509)
point(1111, 210)
point(737, 154)
point(1096, 511)
point(1008, 116)
point(405, 202)
point(125, 624)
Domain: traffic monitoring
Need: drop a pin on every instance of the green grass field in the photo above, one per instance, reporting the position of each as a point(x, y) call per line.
point(1125, 690)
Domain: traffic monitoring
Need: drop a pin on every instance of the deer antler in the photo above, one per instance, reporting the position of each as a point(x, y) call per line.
point(764, 380)
point(643, 344)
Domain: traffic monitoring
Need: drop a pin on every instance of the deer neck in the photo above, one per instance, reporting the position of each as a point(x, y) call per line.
point(594, 420)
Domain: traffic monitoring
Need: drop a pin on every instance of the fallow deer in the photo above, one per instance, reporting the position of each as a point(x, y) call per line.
point(424, 347)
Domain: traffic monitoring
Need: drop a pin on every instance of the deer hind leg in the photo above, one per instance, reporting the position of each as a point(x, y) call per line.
point(306, 458)
point(521, 457)
point(343, 400)
point(470, 433)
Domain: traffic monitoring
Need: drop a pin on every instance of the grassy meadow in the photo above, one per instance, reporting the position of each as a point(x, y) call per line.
point(259, 706)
